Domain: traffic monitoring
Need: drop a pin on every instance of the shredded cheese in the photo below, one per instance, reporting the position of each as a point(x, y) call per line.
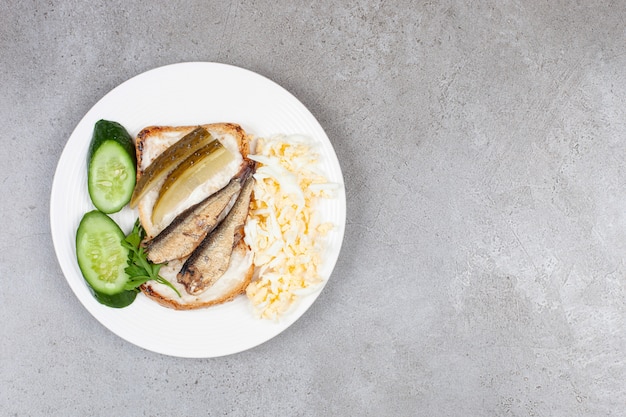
point(283, 228)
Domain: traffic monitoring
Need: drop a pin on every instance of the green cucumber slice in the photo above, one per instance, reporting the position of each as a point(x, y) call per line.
point(111, 173)
point(102, 259)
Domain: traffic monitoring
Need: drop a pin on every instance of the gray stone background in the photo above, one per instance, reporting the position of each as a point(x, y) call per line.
point(482, 144)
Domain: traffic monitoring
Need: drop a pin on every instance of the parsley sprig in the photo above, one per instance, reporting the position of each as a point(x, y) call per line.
point(140, 269)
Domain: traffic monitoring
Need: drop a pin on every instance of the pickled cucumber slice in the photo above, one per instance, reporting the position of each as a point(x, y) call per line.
point(194, 171)
point(168, 160)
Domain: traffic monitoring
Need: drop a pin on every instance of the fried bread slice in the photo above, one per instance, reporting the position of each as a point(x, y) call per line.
point(151, 142)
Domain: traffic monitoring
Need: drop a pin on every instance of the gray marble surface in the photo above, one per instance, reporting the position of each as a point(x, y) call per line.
point(482, 144)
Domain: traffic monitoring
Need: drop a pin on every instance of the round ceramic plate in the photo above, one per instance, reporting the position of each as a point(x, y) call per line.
point(188, 94)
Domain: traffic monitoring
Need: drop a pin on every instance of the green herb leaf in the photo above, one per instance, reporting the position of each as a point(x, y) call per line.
point(140, 270)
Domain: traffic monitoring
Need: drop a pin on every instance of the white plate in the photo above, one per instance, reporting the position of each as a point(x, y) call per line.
point(187, 94)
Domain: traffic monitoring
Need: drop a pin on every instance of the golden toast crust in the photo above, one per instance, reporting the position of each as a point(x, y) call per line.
point(142, 141)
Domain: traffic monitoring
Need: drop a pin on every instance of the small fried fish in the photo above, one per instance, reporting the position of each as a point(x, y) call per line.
point(211, 258)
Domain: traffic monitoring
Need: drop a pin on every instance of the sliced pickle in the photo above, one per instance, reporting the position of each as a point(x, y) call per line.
point(168, 160)
point(194, 171)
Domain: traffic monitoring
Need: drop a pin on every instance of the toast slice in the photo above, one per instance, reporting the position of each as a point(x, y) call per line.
point(151, 142)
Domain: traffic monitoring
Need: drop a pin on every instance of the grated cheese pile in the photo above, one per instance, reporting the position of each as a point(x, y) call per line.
point(283, 229)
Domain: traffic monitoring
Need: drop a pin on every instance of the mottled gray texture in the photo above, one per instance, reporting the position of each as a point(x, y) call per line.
point(482, 272)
